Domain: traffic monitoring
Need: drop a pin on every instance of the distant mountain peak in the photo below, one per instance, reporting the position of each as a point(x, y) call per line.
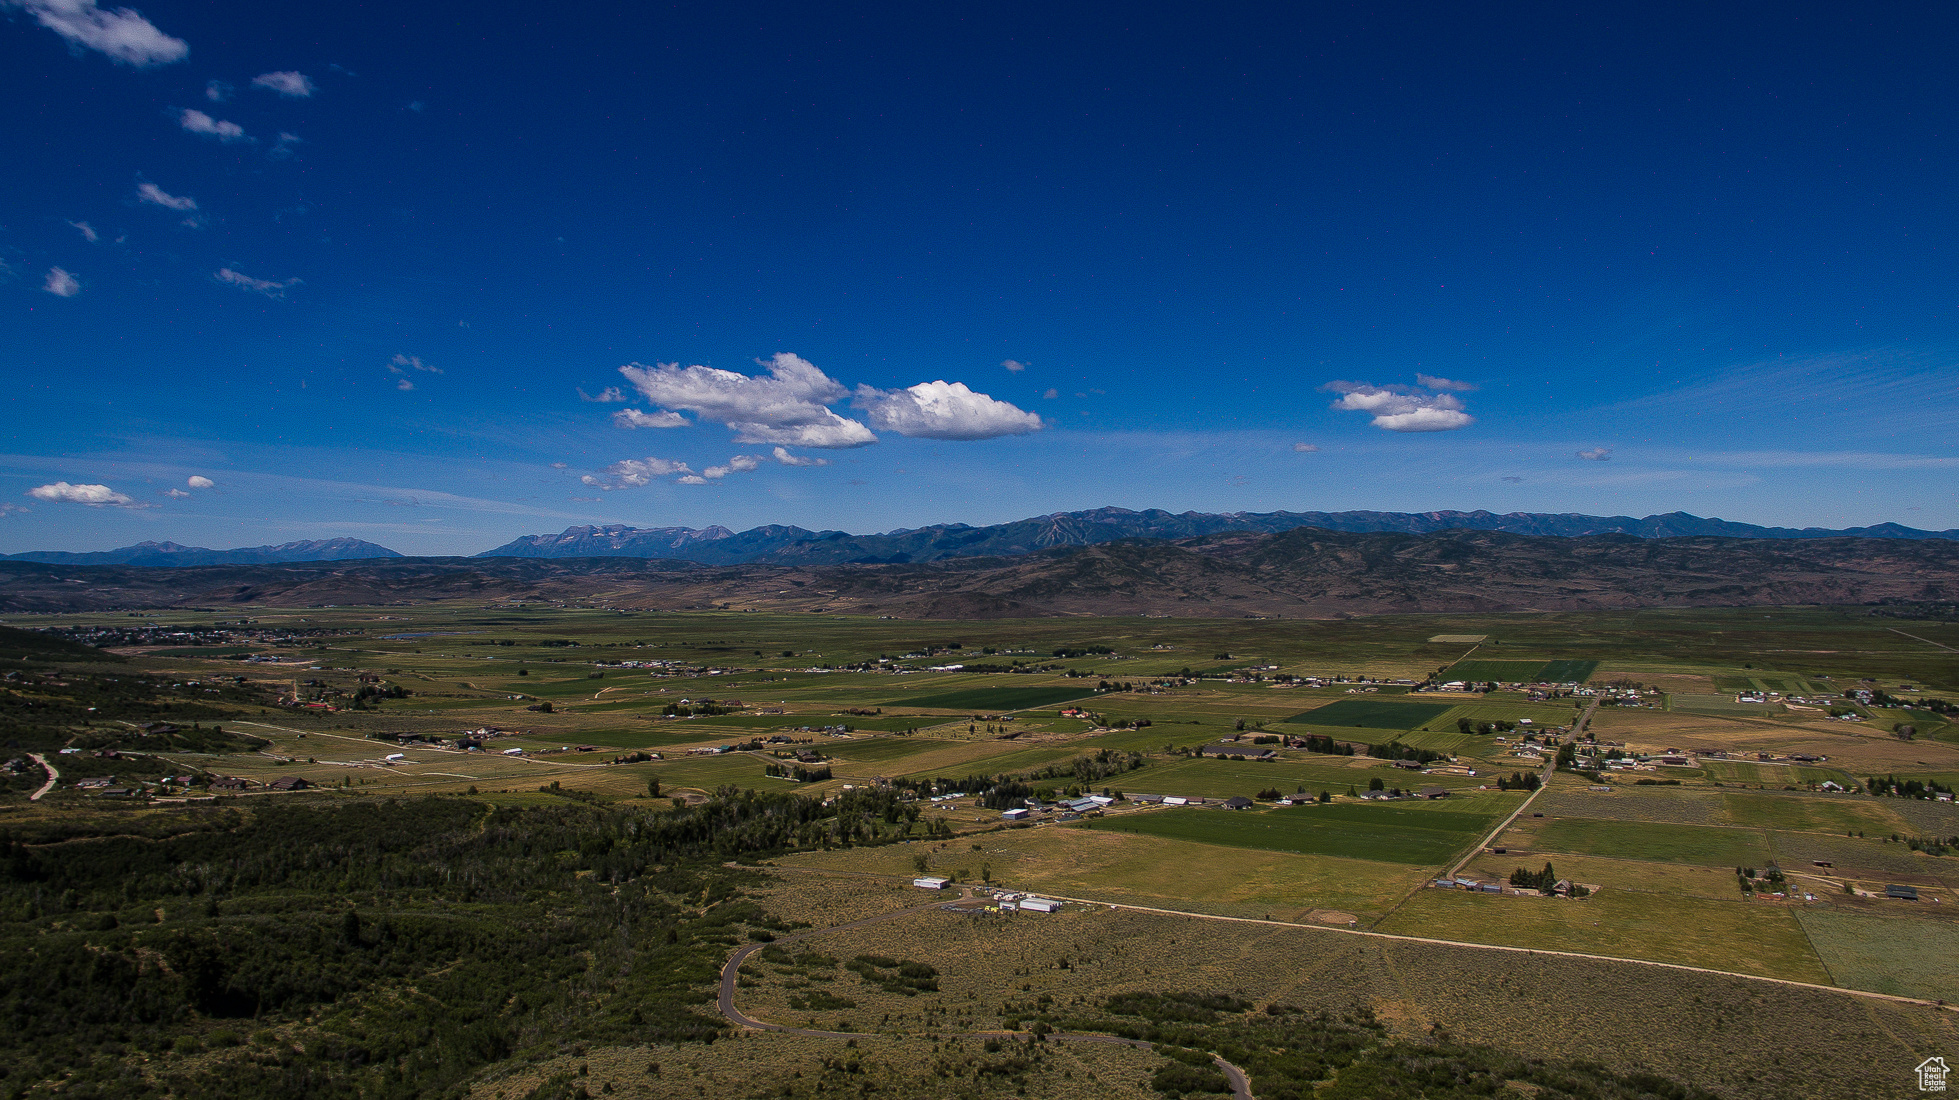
point(177, 554)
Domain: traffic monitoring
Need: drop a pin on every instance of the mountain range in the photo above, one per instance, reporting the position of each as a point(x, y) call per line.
point(171, 554)
point(781, 545)
point(1302, 573)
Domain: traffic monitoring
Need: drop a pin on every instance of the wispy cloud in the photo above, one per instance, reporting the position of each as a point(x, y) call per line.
point(9, 508)
point(633, 418)
point(787, 406)
point(402, 364)
point(783, 456)
point(1305, 448)
point(606, 396)
point(1403, 408)
point(88, 231)
point(271, 288)
point(217, 91)
point(95, 496)
point(176, 494)
point(632, 473)
point(1430, 381)
point(1051, 394)
point(157, 196)
point(1013, 365)
point(1784, 460)
point(61, 284)
point(197, 122)
point(943, 410)
point(122, 34)
point(286, 83)
point(1596, 454)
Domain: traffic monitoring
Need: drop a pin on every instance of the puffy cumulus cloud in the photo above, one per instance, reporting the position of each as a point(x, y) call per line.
point(783, 456)
point(157, 196)
point(1402, 408)
point(271, 288)
point(197, 122)
point(176, 494)
point(1013, 365)
point(402, 364)
point(1596, 454)
point(1430, 381)
point(943, 410)
point(122, 34)
point(286, 83)
point(606, 396)
point(61, 284)
point(631, 473)
point(199, 481)
point(633, 418)
point(95, 496)
point(787, 406)
point(1305, 448)
point(87, 231)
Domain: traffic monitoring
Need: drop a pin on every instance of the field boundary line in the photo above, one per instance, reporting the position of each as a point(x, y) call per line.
point(1927, 641)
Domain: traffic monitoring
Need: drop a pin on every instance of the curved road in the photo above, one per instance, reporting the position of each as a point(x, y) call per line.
point(52, 776)
point(1241, 1088)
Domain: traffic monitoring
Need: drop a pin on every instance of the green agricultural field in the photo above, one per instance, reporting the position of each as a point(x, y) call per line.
point(994, 699)
point(1661, 843)
point(1212, 777)
point(1900, 955)
point(1389, 833)
point(1567, 671)
point(1378, 714)
point(1503, 671)
point(1723, 705)
point(1808, 813)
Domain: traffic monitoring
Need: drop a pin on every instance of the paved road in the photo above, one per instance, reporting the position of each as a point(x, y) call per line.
point(1550, 768)
point(52, 776)
point(1241, 1088)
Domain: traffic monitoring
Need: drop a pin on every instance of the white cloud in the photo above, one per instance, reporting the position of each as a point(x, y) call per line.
point(176, 494)
point(199, 481)
point(8, 508)
point(271, 288)
point(151, 193)
point(1051, 394)
point(787, 406)
point(1402, 408)
point(606, 396)
point(283, 147)
point(1596, 454)
point(740, 464)
point(943, 410)
point(632, 472)
point(217, 91)
point(404, 385)
point(561, 465)
point(286, 83)
point(197, 122)
point(783, 456)
point(61, 284)
point(1305, 448)
point(1434, 383)
point(633, 418)
point(1014, 365)
point(122, 34)
point(88, 231)
point(402, 364)
point(95, 496)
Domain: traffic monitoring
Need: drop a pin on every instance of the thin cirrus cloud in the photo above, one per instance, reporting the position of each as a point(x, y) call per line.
point(1596, 454)
point(157, 196)
point(607, 396)
point(286, 83)
point(87, 231)
point(95, 496)
point(1305, 448)
point(1404, 408)
point(943, 410)
point(197, 122)
point(271, 288)
point(122, 34)
point(61, 284)
point(787, 406)
point(1433, 382)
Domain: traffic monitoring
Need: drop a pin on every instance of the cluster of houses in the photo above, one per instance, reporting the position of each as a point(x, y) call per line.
point(1005, 901)
point(1560, 889)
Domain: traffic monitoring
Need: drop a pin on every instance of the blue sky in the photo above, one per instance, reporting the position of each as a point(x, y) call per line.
point(374, 271)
